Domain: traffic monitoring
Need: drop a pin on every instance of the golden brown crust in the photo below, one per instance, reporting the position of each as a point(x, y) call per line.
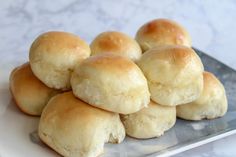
point(70, 111)
point(117, 43)
point(174, 54)
point(109, 62)
point(21, 108)
point(211, 104)
point(110, 41)
point(29, 93)
point(56, 42)
point(53, 56)
point(210, 81)
point(85, 129)
point(111, 82)
point(174, 74)
point(162, 32)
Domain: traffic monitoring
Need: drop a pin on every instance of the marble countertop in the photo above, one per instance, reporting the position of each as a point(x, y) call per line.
point(211, 24)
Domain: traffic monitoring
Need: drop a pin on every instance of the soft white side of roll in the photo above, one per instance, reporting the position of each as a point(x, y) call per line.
point(211, 104)
point(149, 122)
point(111, 82)
point(75, 129)
point(174, 74)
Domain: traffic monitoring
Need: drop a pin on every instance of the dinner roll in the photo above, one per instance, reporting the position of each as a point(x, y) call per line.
point(30, 94)
point(149, 122)
point(73, 128)
point(211, 104)
point(53, 56)
point(111, 82)
point(174, 74)
point(162, 32)
point(118, 43)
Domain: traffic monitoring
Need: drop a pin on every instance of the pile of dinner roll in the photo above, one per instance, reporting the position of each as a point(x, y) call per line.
point(90, 95)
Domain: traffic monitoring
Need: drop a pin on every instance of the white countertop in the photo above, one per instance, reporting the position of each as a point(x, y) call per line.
point(212, 25)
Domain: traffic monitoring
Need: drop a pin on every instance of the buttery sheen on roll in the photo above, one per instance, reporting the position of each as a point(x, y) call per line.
point(117, 43)
point(111, 82)
point(53, 56)
point(75, 129)
point(211, 104)
point(151, 121)
point(162, 32)
point(174, 74)
point(29, 93)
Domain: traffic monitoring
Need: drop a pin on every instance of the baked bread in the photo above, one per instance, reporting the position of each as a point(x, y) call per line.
point(73, 128)
point(117, 43)
point(151, 121)
point(111, 82)
point(211, 104)
point(53, 56)
point(160, 32)
point(174, 74)
point(29, 93)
